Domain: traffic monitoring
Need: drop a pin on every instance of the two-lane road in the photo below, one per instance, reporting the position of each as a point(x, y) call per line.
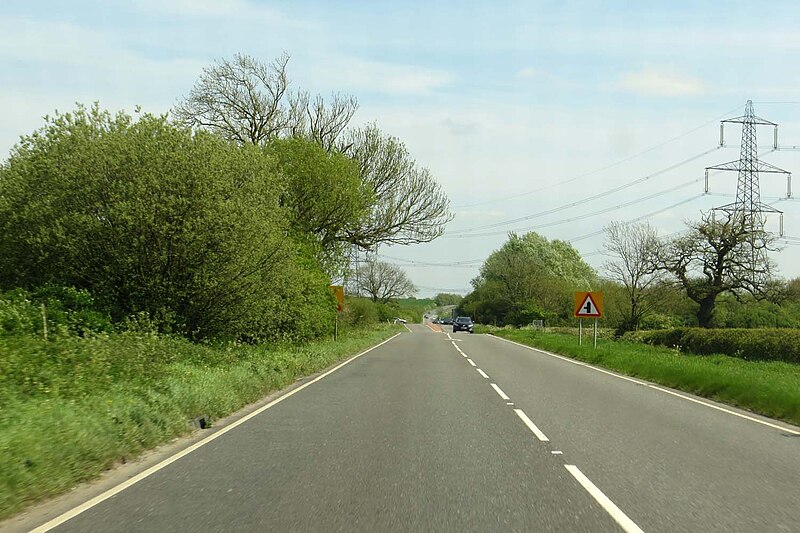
point(440, 432)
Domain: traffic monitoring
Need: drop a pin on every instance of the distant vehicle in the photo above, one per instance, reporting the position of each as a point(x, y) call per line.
point(398, 320)
point(463, 323)
point(446, 321)
point(436, 320)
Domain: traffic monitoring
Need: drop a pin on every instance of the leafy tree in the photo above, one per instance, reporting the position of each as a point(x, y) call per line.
point(249, 102)
point(323, 193)
point(528, 278)
point(635, 247)
point(150, 218)
point(717, 257)
point(383, 281)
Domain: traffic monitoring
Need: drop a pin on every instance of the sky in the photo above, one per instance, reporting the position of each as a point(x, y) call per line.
point(566, 116)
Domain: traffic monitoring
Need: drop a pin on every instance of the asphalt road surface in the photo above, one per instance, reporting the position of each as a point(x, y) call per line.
point(437, 431)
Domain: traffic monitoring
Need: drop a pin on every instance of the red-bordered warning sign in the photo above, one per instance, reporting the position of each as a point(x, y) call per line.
point(588, 304)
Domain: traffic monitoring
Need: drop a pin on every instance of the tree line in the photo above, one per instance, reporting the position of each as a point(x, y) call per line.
point(717, 273)
point(227, 218)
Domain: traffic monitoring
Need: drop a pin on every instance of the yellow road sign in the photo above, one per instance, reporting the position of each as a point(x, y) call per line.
point(338, 293)
point(588, 304)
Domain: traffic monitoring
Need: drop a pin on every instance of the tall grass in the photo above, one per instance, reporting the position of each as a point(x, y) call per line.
point(770, 388)
point(72, 408)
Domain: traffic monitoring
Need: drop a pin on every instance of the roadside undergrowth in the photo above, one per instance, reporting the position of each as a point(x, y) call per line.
point(72, 409)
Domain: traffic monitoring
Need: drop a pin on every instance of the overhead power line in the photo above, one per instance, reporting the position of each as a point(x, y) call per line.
point(583, 200)
point(601, 169)
point(639, 218)
point(579, 217)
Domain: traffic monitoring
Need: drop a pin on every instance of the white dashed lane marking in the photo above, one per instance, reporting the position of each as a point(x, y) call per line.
point(528, 422)
point(499, 391)
point(616, 513)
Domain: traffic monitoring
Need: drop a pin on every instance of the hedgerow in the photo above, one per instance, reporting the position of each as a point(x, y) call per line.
point(753, 344)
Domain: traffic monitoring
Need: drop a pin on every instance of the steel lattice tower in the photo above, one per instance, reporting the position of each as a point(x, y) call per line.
point(748, 210)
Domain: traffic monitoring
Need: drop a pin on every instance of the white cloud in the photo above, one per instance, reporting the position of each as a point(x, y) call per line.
point(529, 73)
point(354, 74)
point(656, 82)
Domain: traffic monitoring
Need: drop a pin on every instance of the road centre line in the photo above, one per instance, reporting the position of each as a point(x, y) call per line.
point(499, 391)
point(655, 387)
point(471, 362)
point(482, 373)
point(528, 422)
point(72, 513)
point(616, 513)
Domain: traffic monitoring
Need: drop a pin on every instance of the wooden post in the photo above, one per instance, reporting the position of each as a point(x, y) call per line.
point(44, 322)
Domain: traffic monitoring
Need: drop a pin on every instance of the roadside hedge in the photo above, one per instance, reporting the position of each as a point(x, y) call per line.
point(769, 344)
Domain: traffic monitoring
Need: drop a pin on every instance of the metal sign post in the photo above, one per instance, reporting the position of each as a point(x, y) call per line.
point(580, 331)
point(595, 333)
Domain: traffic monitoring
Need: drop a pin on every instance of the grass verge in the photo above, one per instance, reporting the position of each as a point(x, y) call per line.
point(70, 410)
point(767, 387)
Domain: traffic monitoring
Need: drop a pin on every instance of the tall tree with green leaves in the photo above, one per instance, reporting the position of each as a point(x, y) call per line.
point(151, 218)
point(249, 102)
point(716, 257)
point(528, 278)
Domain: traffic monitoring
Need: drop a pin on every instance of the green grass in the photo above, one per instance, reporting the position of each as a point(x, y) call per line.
point(767, 387)
point(73, 408)
point(418, 304)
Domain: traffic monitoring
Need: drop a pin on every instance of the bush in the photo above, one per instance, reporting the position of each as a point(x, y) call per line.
point(752, 344)
point(68, 311)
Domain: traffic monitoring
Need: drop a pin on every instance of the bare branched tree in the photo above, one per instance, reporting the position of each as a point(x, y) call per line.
point(383, 281)
point(247, 101)
point(717, 256)
point(635, 247)
point(409, 207)
point(241, 99)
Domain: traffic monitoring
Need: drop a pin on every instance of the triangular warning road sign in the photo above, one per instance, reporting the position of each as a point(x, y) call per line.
point(588, 308)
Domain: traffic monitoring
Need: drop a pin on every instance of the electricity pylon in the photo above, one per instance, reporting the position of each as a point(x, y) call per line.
point(747, 211)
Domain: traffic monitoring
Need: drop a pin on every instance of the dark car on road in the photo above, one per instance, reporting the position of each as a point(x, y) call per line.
point(463, 323)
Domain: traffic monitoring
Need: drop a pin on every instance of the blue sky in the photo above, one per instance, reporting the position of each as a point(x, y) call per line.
point(496, 98)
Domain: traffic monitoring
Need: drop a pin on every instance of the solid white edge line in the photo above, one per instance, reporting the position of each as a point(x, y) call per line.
point(499, 391)
point(482, 373)
point(656, 387)
point(408, 328)
point(718, 408)
point(72, 513)
point(528, 422)
point(628, 525)
point(471, 362)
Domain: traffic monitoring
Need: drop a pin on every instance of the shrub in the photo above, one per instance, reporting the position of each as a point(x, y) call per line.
point(753, 344)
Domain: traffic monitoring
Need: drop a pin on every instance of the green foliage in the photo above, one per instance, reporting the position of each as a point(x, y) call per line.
point(359, 311)
point(67, 311)
point(188, 229)
point(529, 278)
point(444, 298)
point(72, 408)
point(323, 192)
point(753, 344)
